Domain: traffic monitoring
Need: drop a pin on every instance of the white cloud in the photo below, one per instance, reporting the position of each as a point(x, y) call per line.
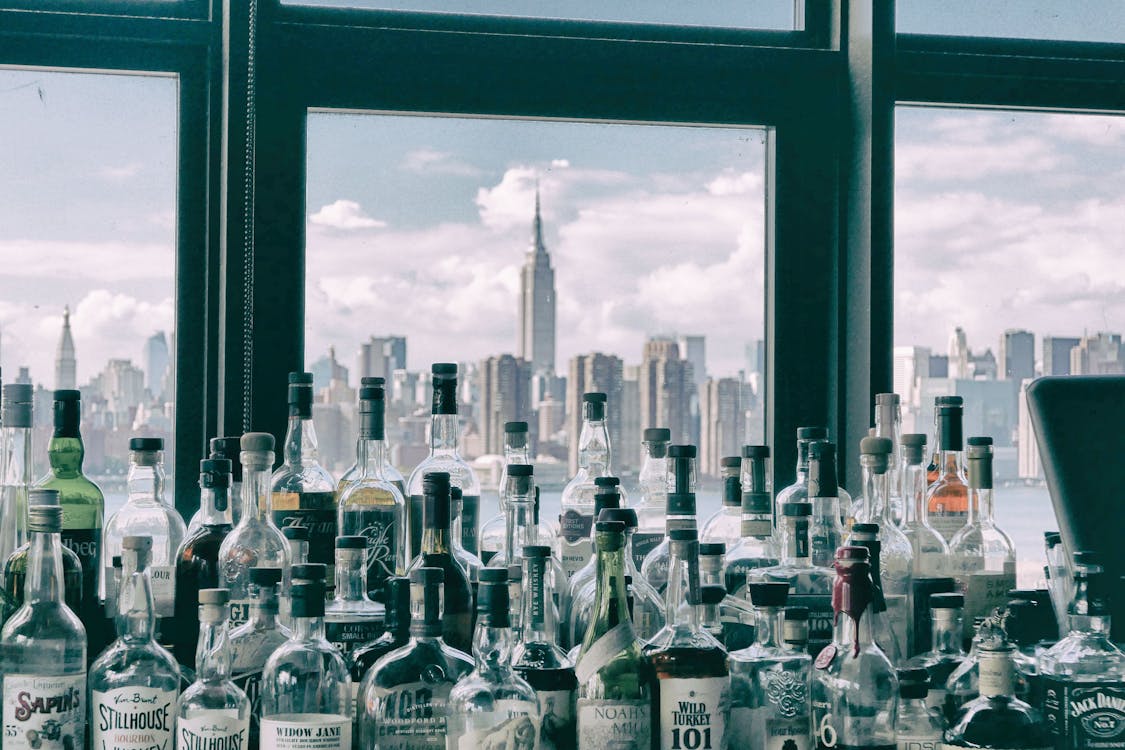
point(100, 262)
point(345, 214)
point(431, 161)
point(731, 182)
point(120, 172)
point(1090, 129)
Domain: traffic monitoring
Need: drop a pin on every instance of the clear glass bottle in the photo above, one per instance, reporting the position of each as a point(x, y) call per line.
point(982, 557)
point(197, 559)
point(615, 680)
point(213, 712)
point(798, 491)
point(351, 619)
point(445, 456)
point(725, 524)
point(681, 513)
point(947, 499)
point(517, 450)
point(372, 505)
point(795, 628)
point(936, 467)
point(757, 547)
point(945, 654)
point(931, 553)
point(576, 519)
point(135, 682)
point(15, 477)
point(885, 628)
point(963, 686)
point(252, 642)
point(888, 424)
point(397, 632)
point(652, 485)
point(854, 689)
point(43, 650)
point(298, 539)
point(228, 448)
point(917, 725)
point(307, 698)
point(519, 525)
point(16, 566)
point(302, 491)
point(255, 542)
point(468, 560)
point(1083, 675)
point(769, 681)
point(580, 584)
point(404, 698)
point(735, 615)
point(393, 475)
point(826, 533)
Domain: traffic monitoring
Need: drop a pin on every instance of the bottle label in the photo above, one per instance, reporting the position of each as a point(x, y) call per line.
point(575, 556)
point(614, 725)
point(557, 720)
point(470, 522)
point(763, 728)
point(1083, 715)
point(996, 676)
point(512, 724)
point(216, 728)
point(575, 526)
point(315, 511)
point(643, 543)
point(411, 716)
point(693, 713)
point(306, 732)
point(377, 524)
point(163, 581)
point(348, 636)
point(918, 742)
point(133, 718)
point(87, 544)
point(735, 572)
point(240, 611)
point(822, 618)
point(604, 650)
point(759, 527)
point(44, 713)
point(985, 592)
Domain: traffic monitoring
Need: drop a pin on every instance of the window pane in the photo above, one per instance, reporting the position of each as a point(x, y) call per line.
point(1076, 20)
point(87, 210)
point(985, 202)
point(420, 231)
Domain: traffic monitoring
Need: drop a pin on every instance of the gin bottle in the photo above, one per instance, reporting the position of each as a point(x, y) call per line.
point(212, 712)
point(757, 547)
point(652, 481)
point(576, 521)
point(516, 451)
point(351, 619)
point(43, 651)
point(917, 725)
point(228, 448)
point(252, 642)
point(931, 553)
point(888, 424)
point(15, 478)
point(826, 533)
point(735, 615)
point(945, 654)
point(681, 513)
point(389, 471)
point(947, 499)
point(725, 525)
point(134, 684)
point(397, 632)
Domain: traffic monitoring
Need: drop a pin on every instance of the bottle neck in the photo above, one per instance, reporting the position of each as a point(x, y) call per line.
point(146, 480)
point(16, 443)
point(826, 509)
point(611, 603)
point(308, 628)
point(946, 635)
point(803, 461)
point(593, 448)
point(874, 493)
point(437, 541)
point(65, 453)
point(444, 432)
point(135, 618)
point(537, 616)
point(682, 597)
point(1087, 612)
point(914, 487)
point(300, 442)
point(653, 477)
point(519, 528)
point(795, 543)
point(256, 499)
point(214, 505)
point(979, 499)
point(351, 575)
point(44, 570)
point(853, 632)
point(949, 464)
point(212, 655)
point(17, 449)
point(517, 454)
point(371, 456)
point(263, 610)
point(492, 649)
point(767, 626)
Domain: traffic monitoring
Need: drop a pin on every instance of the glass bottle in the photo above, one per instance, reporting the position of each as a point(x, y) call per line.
point(930, 551)
point(252, 642)
point(228, 448)
point(16, 566)
point(798, 491)
point(255, 542)
point(351, 619)
point(302, 492)
point(886, 629)
point(492, 706)
point(468, 560)
point(15, 478)
point(725, 524)
point(888, 424)
point(135, 682)
point(652, 483)
point(580, 584)
point(576, 519)
point(917, 725)
point(982, 557)
point(945, 654)
point(809, 585)
point(826, 533)
point(43, 650)
point(735, 615)
point(197, 559)
point(712, 596)
point(393, 475)
point(445, 456)
point(681, 513)
point(397, 632)
point(795, 628)
point(757, 548)
point(769, 681)
point(297, 538)
point(1083, 675)
point(404, 698)
point(519, 526)
point(615, 680)
point(935, 469)
point(516, 451)
point(947, 499)
point(213, 712)
point(538, 659)
point(854, 689)
point(963, 686)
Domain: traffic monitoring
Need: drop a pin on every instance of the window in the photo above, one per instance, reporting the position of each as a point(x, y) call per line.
point(1078, 20)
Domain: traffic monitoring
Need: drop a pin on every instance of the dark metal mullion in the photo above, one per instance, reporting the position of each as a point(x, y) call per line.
point(133, 8)
point(56, 30)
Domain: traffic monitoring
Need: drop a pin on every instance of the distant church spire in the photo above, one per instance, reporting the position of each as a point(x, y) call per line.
point(65, 365)
point(537, 300)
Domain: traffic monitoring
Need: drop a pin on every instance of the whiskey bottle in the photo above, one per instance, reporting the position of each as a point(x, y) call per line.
point(735, 615)
point(16, 566)
point(947, 499)
point(393, 475)
point(212, 712)
point(887, 629)
point(888, 424)
point(302, 492)
point(945, 654)
point(43, 651)
point(580, 584)
point(757, 547)
point(681, 513)
point(917, 725)
point(228, 448)
point(15, 478)
point(351, 619)
point(826, 533)
point(936, 467)
point(930, 551)
point(468, 560)
point(252, 642)
point(135, 682)
point(517, 450)
point(725, 525)
point(396, 633)
point(652, 481)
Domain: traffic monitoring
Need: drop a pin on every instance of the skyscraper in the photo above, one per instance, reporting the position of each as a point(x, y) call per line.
point(721, 422)
point(1100, 354)
point(505, 393)
point(1017, 355)
point(66, 367)
point(1056, 354)
point(156, 363)
point(537, 302)
point(381, 356)
point(667, 390)
point(694, 350)
point(959, 357)
point(590, 373)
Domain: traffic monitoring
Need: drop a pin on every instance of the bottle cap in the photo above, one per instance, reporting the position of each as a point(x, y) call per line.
point(797, 613)
point(941, 401)
point(351, 542)
point(768, 594)
point(887, 399)
point(493, 575)
point(612, 535)
point(950, 435)
point(913, 447)
point(876, 452)
point(309, 571)
point(493, 599)
point(812, 433)
point(979, 456)
point(372, 393)
point(537, 551)
point(657, 435)
point(796, 510)
point(44, 519)
point(444, 369)
point(137, 543)
point(265, 576)
point(39, 496)
point(435, 481)
point(913, 683)
point(512, 428)
point(869, 531)
point(145, 444)
point(627, 516)
point(755, 451)
point(712, 549)
point(947, 601)
point(594, 398)
point(515, 573)
point(683, 535)
point(307, 599)
point(300, 378)
point(427, 575)
point(396, 594)
point(296, 533)
point(731, 462)
point(257, 442)
point(611, 482)
point(682, 451)
point(605, 497)
point(214, 473)
point(712, 593)
point(520, 470)
point(214, 597)
point(17, 405)
point(1052, 538)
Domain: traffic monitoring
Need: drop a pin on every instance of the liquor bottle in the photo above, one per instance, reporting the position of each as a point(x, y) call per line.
point(16, 566)
point(516, 451)
point(692, 678)
point(681, 513)
point(393, 475)
point(404, 698)
point(615, 680)
point(302, 492)
point(652, 482)
point(371, 504)
point(945, 654)
point(798, 491)
point(725, 525)
point(809, 585)
point(213, 712)
point(795, 628)
point(307, 698)
point(735, 615)
point(146, 513)
point(936, 466)
point(255, 542)
point(351, 619)
point(538, 659)
point(917, 725)
point(826, 533)
point(445, 456)
point(947, 499)
point(252, 642)
point(492, 706)
point(887, 629)
point(576, 520)
point(853, 689)
point(15, 477)
point(769, 681)
point(962, 687)
point(467, 559)
point(228, 448)
point(981, 555)
point(931, 553)
point(134, 684)
point(197, 560)
point(43, 651)
point(888, 424)
point(1019, 621)
point(83, 510)
point(580, 584)
point(297, 538)
point(457, 617)
point(710, 619)
point(1083, 675)
point(757, 547)
point(396, 634)
point(519, 526)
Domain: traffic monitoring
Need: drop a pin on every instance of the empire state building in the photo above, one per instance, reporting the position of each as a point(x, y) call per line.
point(537, 302)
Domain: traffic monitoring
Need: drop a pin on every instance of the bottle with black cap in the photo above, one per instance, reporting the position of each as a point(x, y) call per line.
point(826, 532)
point(652, 481)
point(889, 614)
point(252, 642)
point(303, 493)
point(363, 447)
point(795, 628)
point(757, 547)
point(888, 424)
point(298, 539)
point(735, 614)
point(580, 584)
point(307, 697)
point(946, 653)
point(799, 490)
point(396, 633)
point(519, 522)
point(351, 618)
point(372, 505)
point(763, 672)
point(16, 465)
point(406, 693)
point(681, 512)
point(947, 499)
point(517, 450)
point(935, 468)
point(725, 524)
point(918, 726)
point(492, 706)
point(445, 456)
point(197, 559)
point(15, 569)
point(931, 553)
point(255, 542)
point(228, 448)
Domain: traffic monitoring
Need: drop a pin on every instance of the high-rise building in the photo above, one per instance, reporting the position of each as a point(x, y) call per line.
point(328, 370)
point(629, 453)
point(1100, 354)
point(983, 366)
point(1017, 355)
point(1056, 354)
point(505, 392)
point(1028, 463)
point(537, 302)
point(959, 357)
point(381, 356)
point(123, 388)
point(66, 366)
point(591, 373)
point(667, 390)
point(721, 422)
point(156, 363)
point(911, 364)
point(694, 350)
